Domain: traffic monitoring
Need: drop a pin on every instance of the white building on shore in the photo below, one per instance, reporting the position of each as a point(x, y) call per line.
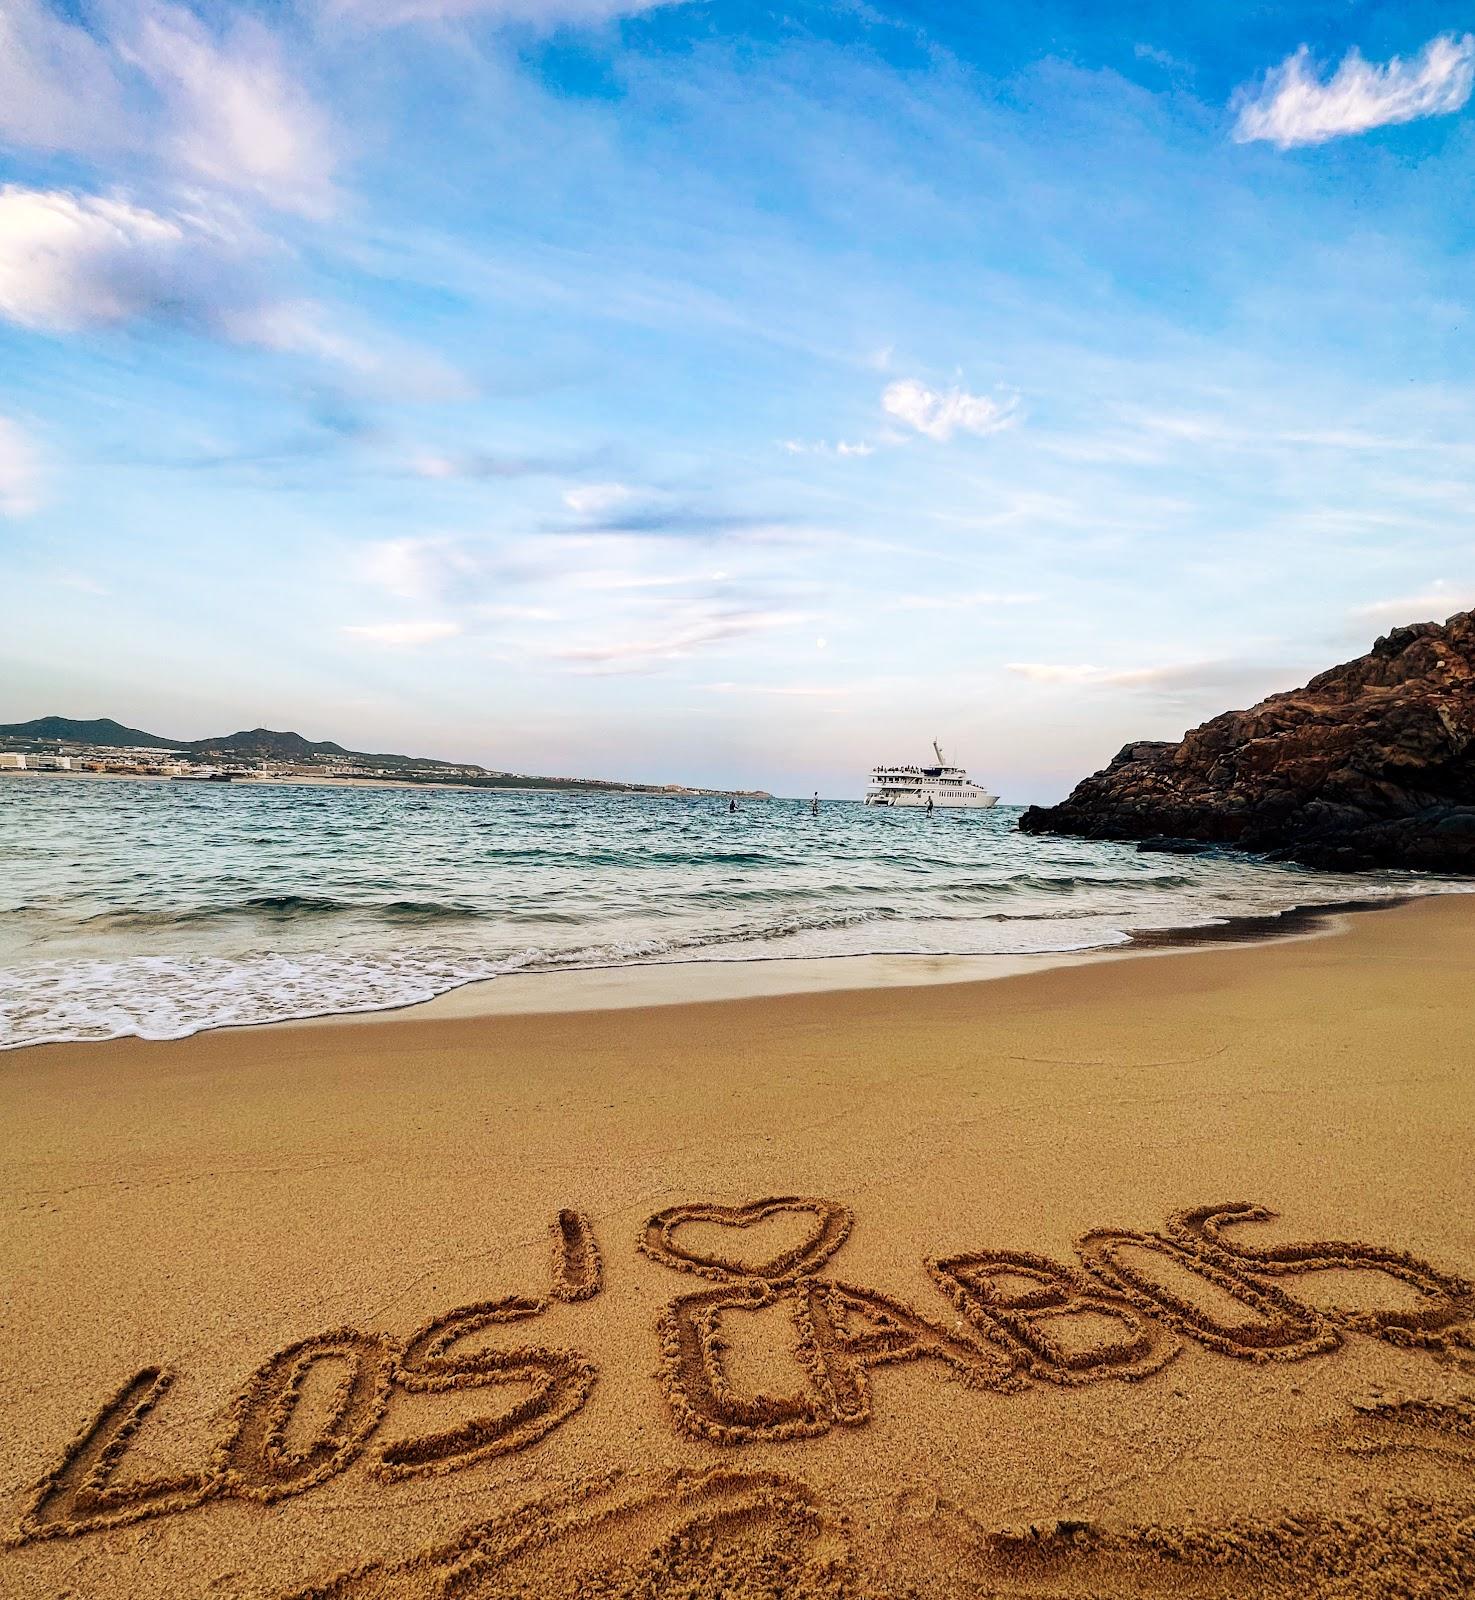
point(18, 761)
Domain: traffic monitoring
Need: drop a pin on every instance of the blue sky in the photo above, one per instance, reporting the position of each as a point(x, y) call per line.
point(707, 392)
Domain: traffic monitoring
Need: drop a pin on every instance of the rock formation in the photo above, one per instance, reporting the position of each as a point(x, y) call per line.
point(1372, 764)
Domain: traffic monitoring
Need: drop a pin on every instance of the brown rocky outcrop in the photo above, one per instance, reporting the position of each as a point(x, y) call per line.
point(1371, 764)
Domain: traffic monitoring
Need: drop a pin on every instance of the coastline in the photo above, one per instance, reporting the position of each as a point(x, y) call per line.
point(246, 783)
point(209, 1202)
point(638, 984)
point(250, 781)
point(645, 982)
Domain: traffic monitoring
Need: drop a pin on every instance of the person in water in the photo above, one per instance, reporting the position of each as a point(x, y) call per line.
point(929, 805)
point(814, 805)
point(731, 807)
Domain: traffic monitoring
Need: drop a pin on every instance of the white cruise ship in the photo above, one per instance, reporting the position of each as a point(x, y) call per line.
point(946, 787)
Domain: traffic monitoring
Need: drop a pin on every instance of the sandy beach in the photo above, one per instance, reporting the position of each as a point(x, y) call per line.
point(1145, 1276)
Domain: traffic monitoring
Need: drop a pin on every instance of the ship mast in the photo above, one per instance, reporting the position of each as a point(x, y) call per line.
point(938, 748)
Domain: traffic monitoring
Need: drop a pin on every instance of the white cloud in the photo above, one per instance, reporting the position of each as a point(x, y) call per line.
point(71, 261)
point(1294, 107)
point(823, 447)
point(504, 613)
point(800, 691)
point(398, 635)
point(1438, 601)
point(942, 413)
point(421, 569)
point(20, 471)
point(1051, 672)
point(383, 364)
point(1130, 677)
point(1158, 57)
point(544, 15)
point(430, 466)
point(1202, 687)
point(701, 629)
point(58, 90)
point(223, 109)
point(594, 499)
point(967, 601)
point(238, 118)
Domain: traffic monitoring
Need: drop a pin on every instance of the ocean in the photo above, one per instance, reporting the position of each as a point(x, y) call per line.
point(160, 909)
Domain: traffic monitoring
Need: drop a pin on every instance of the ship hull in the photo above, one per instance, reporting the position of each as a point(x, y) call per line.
point(940, 802)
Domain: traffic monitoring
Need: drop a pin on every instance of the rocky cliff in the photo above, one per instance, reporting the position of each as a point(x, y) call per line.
point(1371, 764)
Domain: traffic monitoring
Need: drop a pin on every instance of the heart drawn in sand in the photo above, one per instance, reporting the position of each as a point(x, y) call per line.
point(830, 1224)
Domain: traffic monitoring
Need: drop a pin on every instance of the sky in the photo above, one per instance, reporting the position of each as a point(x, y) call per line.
point(708, 392)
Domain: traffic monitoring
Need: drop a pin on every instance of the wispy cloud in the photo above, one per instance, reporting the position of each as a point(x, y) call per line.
point(594, 499)
point(20, 471)
point(222, 108)
point(487, 464)
point(515, 613)
point(80, 582)
point(1202, 687)
point(643, 512)
point(1294, 106)
point(1159, 57)
point(796, 691)
point(1440, 600)
point(543, 15)
point(679, 521)
point(702, 629)
point(236, 115)
point(403, 635)
point(58, 84)
point(970, 600)
point(422, 569)
point(72, 262)
point(1177, 676)
point(823, 447)
point(1081, 673)
point(941, 413)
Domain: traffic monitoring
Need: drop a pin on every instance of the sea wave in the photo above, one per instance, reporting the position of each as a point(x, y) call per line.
point(173, 997)
point(301, 908)
point(286, 908)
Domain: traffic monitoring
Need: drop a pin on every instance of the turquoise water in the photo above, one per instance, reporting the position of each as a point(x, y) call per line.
point(163, 908)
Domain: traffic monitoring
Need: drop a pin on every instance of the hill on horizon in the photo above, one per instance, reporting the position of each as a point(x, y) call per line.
point(101, 730)
point(274, 745)
point(260, 742)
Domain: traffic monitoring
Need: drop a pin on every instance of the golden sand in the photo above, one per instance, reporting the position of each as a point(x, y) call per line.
point(1139, 1278)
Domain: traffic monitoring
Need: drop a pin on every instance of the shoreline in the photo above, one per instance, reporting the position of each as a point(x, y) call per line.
point(639, 984)
point(636, 985)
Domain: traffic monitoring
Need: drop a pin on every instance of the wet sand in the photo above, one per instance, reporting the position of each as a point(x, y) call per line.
point(961, 1289)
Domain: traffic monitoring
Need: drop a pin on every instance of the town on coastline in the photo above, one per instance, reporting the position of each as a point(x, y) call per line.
point(107, 748)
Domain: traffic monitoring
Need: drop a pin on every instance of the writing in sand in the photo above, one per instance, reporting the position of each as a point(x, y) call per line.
point(1121, 1312)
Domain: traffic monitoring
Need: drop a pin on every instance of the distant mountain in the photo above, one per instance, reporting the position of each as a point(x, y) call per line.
point(100, 731)
point(266, 744)
point(261, 743)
